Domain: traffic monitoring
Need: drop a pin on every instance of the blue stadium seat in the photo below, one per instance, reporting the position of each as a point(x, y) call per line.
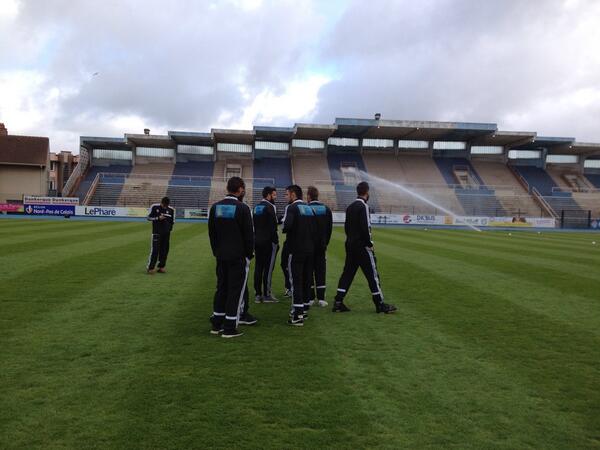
point(480, 201)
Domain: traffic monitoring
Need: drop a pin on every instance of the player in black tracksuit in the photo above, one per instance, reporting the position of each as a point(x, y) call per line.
point(359, 253)
point(232, 242)
point(162, 217)
point(324, 222)
point(285, 253)
point(266, 244)
point(299, 226)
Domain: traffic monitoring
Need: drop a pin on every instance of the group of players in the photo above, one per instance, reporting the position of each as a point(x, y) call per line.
point(237, 234)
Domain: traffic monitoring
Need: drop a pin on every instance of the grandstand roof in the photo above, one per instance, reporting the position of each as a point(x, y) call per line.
point(414, 130)
point(105, 142)
point(150, 140)
point(233, 136)
point(313, 131)
point(24, 150)
point(274, 133)
point(471, 132)
point(191, 138)
point(506, 138)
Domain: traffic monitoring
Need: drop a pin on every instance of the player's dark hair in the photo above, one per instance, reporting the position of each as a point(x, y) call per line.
point(296, 190)
point(362, 188)
point(165, 201)
point(234, 184)
point(312, 192)
point(268, 190)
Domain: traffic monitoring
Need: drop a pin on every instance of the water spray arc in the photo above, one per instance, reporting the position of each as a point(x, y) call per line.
point(376, 181)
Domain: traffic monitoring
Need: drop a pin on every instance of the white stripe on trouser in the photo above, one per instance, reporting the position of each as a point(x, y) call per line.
point(151, 248)
point(300, 305)
point(271, 267)
point(241, 299)
point(375, 275)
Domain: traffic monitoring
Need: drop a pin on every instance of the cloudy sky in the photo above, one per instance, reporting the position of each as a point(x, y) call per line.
point(106, 67)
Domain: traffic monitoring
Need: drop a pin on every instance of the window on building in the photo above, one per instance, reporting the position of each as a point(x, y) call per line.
point(524, 154)
point(268, 145)
point(100, 153)
point(154, 152)
point(234, 148)
point(413, 145)
point(195, 149)
point(592, 164)
point(343, 142)
point(449, 145)
point(308, 143)
point(487, 150)
point(562, 159)
point(378, 143)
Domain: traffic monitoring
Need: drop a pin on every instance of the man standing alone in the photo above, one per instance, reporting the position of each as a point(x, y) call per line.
point(232, 243)
point(266, 244)
point(162, 217)
point(359, 253)
point(324, 225)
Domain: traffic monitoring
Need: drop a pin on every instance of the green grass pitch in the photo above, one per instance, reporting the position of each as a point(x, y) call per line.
point(496, 344)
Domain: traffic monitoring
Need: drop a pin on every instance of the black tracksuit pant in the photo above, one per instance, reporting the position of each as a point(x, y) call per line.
point(300, 269)
point(159, 250)
point(285, 253)
point(317, 289)
point(266, 253)
point(231, 294)
point(365, 259)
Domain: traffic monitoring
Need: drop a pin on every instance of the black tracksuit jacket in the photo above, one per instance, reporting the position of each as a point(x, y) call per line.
point(230, 229)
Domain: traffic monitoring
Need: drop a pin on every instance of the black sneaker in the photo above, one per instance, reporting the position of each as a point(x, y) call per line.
point(216, 329)
point(247, 319)
point(288, 293)
point(296, 320)
point(385, 308)
point(217, 325)
point(227, 334)
point(258, 298)
point(270, 299)
point(340, 307)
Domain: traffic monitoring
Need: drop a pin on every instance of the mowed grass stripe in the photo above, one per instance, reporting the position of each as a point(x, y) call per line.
point(545, 240)
point(50, 283)
point(550, 269)
point(533, 346)
point(588, 255)
point(154, 416)
point(575, 305)
point(555, 274)
point(56, 240)
point(97, 317)
point(129, 362)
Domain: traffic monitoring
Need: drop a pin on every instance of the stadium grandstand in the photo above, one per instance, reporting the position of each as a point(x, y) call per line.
point(470, 168)
point(24, 164)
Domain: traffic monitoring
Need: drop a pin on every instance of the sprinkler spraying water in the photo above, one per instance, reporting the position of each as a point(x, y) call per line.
point(376, 181)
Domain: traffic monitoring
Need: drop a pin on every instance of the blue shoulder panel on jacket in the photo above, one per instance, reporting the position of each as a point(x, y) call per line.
point(259, 210)
point(305, 210)
point(225, 211)
point(320, 210)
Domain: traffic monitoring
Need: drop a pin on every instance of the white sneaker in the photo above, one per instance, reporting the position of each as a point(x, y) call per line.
point(323, 303)
point(311, 302)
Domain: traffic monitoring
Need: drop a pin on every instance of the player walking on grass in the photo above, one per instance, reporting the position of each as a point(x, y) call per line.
point(324, 225)
point(162, 217)
point(299, 226)
point(360, 253)
point(232, 243)
point(266, 245)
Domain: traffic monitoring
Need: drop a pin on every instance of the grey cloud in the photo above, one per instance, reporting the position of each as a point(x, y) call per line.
point(461, 60)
